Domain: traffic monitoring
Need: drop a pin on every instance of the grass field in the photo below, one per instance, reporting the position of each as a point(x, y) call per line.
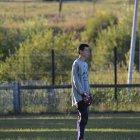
point(19, 15)
point(44, 127)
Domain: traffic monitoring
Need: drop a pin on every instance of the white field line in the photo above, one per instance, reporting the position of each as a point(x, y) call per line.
point(69, 130)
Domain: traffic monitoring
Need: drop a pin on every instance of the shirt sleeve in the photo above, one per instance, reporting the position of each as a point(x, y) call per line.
point(76, 79)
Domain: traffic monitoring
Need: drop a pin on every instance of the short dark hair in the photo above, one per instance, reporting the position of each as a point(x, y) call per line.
point(82, 47)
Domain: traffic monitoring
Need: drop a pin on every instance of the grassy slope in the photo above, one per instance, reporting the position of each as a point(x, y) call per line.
point(73, 14)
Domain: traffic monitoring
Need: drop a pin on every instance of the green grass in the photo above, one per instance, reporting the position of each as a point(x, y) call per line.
point(100, 127)
point(18, 15)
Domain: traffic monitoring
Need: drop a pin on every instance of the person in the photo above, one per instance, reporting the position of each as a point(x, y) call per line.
point(81, 97)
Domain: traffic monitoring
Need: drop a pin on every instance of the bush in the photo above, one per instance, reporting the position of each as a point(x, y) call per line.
point(116, 36)
point(97, 24)
point(9, 42)
point(11, 38)
point(33, 59)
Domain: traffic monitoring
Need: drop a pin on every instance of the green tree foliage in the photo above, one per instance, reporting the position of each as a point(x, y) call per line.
point(33, 59)
point(11, 38)
point(9, 42)
point(115, 36)
point(98, 23)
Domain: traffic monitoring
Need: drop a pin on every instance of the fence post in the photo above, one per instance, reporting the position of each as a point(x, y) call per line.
point(51, 93)
point(53, 67)
point(115, 73)
point(60, 6)
point(16, 99)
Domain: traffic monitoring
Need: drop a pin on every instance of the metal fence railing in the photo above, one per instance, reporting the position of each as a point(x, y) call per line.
point(19, 98)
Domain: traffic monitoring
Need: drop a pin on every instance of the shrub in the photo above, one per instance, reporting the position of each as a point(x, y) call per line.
point(97, 24)
point(9, 42)
point(33, 59)
point(116, 36)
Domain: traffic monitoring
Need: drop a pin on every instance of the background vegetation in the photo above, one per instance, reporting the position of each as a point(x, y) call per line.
point(30, 30)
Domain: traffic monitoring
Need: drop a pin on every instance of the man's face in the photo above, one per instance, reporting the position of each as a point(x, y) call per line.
point(85, 53)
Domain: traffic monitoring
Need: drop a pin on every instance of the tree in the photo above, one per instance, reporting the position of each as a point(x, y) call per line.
point(115, 36)
point(33, 59)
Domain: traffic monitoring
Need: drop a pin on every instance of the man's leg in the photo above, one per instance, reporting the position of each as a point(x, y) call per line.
point(82, 119)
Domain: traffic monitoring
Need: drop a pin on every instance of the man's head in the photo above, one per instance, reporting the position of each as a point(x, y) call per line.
point(84, 51)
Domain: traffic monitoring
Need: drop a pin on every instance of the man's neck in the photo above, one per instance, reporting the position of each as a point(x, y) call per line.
point(82, 58)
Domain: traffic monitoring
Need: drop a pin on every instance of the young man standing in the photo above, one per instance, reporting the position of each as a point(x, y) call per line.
point(81, 97)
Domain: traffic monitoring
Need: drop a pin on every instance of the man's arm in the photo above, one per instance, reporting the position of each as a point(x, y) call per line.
point(76, 79)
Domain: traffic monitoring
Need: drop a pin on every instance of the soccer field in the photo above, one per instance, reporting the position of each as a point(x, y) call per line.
point(63, 127)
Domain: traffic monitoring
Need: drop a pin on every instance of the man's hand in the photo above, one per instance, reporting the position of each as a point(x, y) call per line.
point(87, 99)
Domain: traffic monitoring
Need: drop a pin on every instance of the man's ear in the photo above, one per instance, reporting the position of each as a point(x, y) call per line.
point(80, 51)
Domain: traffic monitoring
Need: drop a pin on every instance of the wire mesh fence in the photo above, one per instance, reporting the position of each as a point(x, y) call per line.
point(49, 99)
point(6, 101)
point(46, 101)
point(55, 68)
